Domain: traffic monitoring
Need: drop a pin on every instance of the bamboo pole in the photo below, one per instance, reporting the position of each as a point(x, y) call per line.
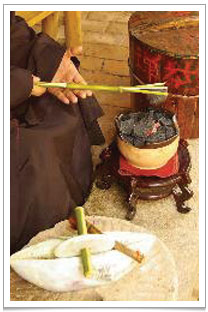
point(85, 253)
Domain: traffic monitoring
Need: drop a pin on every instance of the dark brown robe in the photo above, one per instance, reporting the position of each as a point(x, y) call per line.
point(51, 166)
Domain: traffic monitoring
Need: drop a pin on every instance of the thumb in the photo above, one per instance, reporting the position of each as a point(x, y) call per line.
point(35, 79)
point(75, 51)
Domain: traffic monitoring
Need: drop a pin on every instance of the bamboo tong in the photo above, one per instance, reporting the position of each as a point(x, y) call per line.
point(155, 89)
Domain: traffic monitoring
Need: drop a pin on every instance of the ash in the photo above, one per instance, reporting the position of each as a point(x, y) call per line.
point(146, 127)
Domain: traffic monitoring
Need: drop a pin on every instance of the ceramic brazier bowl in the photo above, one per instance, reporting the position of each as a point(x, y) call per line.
point(150, 155)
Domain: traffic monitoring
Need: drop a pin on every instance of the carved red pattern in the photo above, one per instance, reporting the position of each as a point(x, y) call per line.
point(181, 76)
point(178, 74)
point(148, 64)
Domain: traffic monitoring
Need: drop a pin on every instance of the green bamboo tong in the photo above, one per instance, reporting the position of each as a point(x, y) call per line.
point(155, 89)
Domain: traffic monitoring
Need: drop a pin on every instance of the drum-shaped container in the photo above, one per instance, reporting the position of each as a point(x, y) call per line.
point(164, 48)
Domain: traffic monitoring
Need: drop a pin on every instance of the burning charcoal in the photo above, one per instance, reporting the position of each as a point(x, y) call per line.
point(140, 116)
point(139, 141)
point(169, 132)
point(148, 122)
point(133, 116)
point(138, 130)
point(157, 115)
point(126, 126)
point(165, 121)
point(151, 114)
point(147, 126)
point(158, 136)
point(156, 126)
point(151, 139)
point(147, 114)
point(168, 115)
point(128, 138)
point(125, 117)
point(144, 127)
point(149, 110)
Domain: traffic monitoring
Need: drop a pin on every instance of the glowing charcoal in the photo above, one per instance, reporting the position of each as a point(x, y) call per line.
point(149, 126)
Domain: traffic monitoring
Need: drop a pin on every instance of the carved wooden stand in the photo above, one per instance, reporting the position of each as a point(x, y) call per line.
point(139, 187)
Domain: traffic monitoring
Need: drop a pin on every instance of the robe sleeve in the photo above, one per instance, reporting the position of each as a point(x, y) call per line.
point(21, 84)
point(45, 57)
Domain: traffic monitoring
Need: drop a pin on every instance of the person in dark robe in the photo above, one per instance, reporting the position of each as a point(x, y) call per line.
point(50, 138)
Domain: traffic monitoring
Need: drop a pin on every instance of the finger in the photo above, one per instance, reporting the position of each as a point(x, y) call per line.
point(71, 96)
point(41, 90)
point(37, 91)
point(68, 53)
point(79, 79)
point(81, 93)
point(89, 93)
point(77, 50)
point(59, 94)
point(35, 79)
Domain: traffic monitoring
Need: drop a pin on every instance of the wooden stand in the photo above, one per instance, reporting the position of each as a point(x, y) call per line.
point(149, 188)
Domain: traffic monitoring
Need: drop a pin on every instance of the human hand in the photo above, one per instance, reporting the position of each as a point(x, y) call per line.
point(37, 91)
point(67, 72)
point(75, 51)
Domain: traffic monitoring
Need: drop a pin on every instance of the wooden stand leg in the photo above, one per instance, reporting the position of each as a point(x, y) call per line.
point(132, 200)
point(181, 193)
point(104, 178)
point(104, 175)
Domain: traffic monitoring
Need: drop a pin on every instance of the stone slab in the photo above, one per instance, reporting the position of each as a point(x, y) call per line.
point(154, 279)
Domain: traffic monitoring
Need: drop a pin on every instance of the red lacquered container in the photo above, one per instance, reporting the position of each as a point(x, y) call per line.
point(164, 47)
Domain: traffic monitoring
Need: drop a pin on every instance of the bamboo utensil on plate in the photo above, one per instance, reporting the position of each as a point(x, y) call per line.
point(92, 229)
point(136, 255)
point(85, 252)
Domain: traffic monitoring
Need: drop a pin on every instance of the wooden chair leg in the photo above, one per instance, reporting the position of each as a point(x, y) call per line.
point(50, 25)
point(72, 23)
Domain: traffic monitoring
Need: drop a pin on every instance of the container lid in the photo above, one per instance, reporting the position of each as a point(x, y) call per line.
point(173, 33)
